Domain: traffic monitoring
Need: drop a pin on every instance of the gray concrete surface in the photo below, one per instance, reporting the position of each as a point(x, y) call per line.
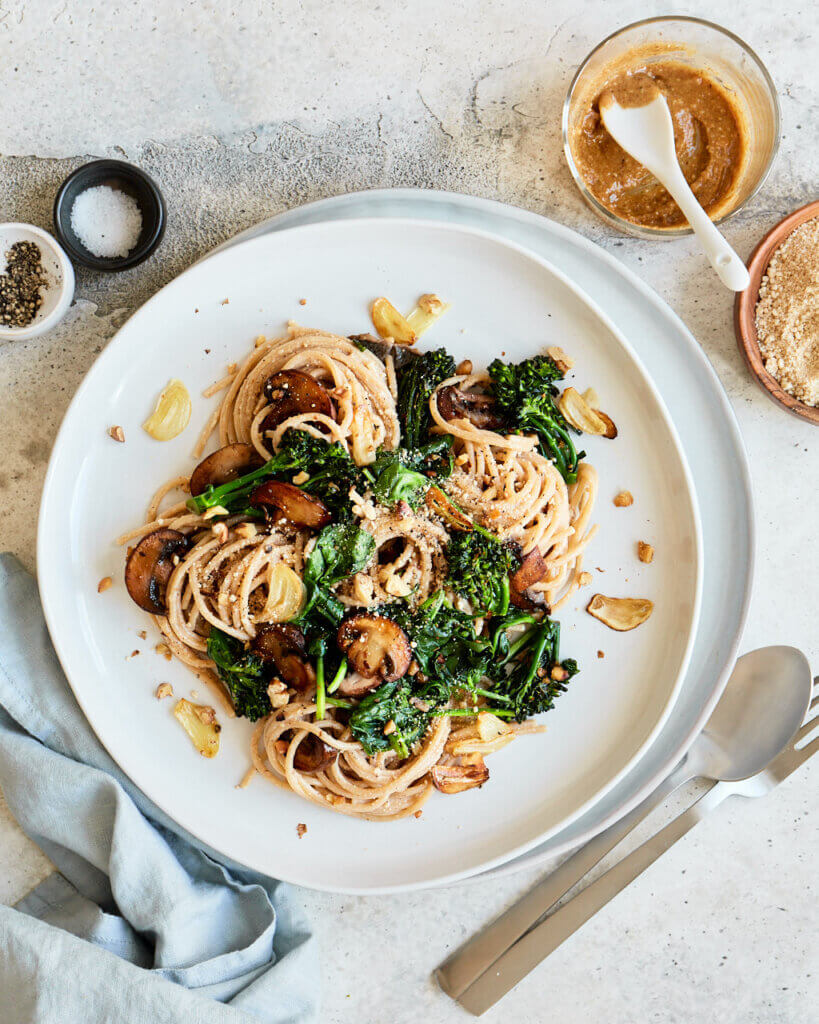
point(243, 110)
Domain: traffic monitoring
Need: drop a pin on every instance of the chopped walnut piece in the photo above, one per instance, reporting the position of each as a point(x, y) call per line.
point(205, 713)
point(278, 695)
point(464, 367)
point(600, 654)
point(302, 302)
point(143, 634)
point(164, 690)
point(389, 728)
point(117, 433)
point(220, 532)
point(133, 654)
point(104, 584)
point(645, 552)
point(584, 579)
point(418, 814)
point(559, 674)
point(301, 829)
point(624, 499)
point(245, 530)
point(301, 478)
point(164, 650)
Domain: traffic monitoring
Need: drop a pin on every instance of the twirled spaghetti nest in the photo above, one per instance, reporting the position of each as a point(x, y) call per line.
point(518, 494)
point(365, 418)
point(381, 788)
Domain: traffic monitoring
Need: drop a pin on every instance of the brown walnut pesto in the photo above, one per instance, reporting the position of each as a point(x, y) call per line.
point(708, 133)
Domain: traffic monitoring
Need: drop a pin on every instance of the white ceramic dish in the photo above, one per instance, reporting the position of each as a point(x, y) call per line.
point(503, 299)
point(701, 412)
point(59, 290)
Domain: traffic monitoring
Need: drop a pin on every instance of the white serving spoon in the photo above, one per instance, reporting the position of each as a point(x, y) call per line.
point(647, 134)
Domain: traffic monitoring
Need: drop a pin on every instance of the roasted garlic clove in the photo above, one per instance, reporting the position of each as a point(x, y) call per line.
point(429, 309)
point(580, 414)
point(620, 613)
point(199, 722)
point(391, 324)
point(452, 778)
point(171, 414)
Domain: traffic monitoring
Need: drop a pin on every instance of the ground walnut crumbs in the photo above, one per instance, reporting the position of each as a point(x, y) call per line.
point(787, 314)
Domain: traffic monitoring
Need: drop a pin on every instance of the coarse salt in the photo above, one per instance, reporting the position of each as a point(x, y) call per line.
point(106, 221)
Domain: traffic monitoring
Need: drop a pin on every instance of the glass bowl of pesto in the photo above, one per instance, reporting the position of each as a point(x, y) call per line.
point(705, 71)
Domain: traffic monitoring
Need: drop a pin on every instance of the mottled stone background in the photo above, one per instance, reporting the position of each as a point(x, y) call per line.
point(247, 109)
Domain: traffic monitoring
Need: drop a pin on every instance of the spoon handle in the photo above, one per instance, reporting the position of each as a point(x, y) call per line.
point(469, 962)
point(537, 944)
point(729, 267)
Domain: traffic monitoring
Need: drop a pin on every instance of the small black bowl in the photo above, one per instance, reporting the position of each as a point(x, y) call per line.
point(124, 178)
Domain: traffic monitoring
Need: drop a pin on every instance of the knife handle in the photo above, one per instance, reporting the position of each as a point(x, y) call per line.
point(543, 939)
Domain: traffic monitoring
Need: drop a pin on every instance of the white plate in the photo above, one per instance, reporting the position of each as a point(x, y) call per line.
point(504, 299)
point(701, 412)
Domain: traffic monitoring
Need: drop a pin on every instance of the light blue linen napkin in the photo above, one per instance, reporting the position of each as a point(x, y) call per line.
point(141, 923)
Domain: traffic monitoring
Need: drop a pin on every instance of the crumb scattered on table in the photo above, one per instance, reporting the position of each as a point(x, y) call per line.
point(301, 828)
point(623, 499)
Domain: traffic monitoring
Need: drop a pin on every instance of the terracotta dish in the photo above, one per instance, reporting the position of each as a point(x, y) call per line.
point(744, 310)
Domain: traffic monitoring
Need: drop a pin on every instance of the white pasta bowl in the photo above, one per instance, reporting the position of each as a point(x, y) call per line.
point(504, 301)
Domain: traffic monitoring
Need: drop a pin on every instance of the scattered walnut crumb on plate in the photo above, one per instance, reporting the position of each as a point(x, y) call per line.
point(645, 552)
point(104, 584)
point(116, 433)
point(301, 829)
point(164, 690)
point(623, 499)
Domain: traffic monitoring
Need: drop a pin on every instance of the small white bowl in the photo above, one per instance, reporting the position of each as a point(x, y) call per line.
point(59, 289)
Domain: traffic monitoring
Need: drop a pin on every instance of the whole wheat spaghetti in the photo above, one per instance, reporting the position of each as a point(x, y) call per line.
point(319, 599)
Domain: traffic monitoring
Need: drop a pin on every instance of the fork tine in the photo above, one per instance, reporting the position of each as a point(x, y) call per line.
point(791, 759)
point(806, 729)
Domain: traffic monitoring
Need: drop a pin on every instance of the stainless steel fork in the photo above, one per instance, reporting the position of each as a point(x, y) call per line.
point(521, 958)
